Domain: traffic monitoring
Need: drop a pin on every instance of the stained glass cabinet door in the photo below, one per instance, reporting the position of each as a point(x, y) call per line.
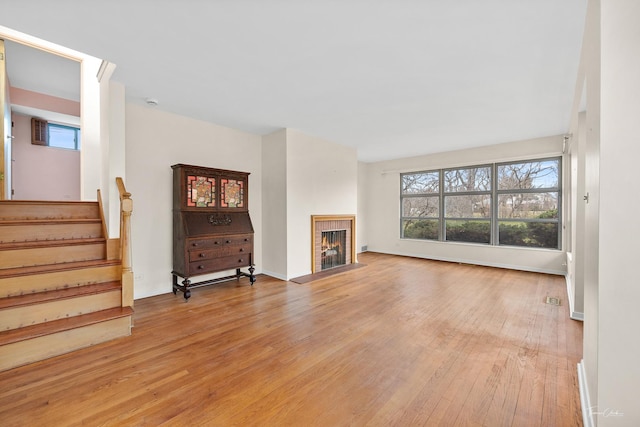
point(208, 189)
point(201, 191)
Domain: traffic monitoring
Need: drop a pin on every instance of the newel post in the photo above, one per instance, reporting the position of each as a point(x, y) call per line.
point(126, 207)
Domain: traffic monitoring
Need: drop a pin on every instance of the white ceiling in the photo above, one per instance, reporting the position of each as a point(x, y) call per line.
point(391, 78)
point(43, 72)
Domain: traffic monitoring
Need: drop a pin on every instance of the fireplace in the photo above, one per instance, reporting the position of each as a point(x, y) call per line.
point(332, 241)
point(333, 245)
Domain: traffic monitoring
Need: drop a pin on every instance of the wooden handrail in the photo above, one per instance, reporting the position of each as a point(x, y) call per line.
point(121, 188)
point(126, 207)
point(105, 233)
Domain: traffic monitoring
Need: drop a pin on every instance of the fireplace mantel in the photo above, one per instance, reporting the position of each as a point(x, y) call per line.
point(320, 223)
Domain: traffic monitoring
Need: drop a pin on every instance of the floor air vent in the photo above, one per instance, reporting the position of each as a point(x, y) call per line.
point(552, 300)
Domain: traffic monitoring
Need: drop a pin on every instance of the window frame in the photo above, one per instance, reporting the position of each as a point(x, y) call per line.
point(437, 194)
point(64, 126)
point(445, 194)
point(558, 189)
point(493, 193)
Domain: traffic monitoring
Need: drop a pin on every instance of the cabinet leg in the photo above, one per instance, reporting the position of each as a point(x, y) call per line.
point(175, 284)
point(187, 293)
point(252, 278)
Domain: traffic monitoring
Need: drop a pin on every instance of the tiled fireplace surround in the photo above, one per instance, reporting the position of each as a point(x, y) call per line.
point(320, 223)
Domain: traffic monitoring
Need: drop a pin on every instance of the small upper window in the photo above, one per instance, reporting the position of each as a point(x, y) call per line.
point(62, 136)
point(54, 134)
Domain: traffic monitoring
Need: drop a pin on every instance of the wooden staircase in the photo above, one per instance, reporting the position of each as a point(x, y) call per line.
point(61, 281)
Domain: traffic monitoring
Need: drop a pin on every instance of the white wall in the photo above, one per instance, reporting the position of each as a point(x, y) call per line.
point(382, 188)
point(274, 204)
point(619, 288)
point(155, 140)
point(91, 165)
point(362, 217)
point(585, 147)
point(41, 172)
point(576, 192)
point(5, 131)
point(116, 165)
point(322, 179)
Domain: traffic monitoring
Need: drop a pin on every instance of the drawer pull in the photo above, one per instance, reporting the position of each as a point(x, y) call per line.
point(240, 260)
point(215, 242)
point(228, 241)
point(246, 240)
point(194, 244)
point(200, 267)
point(202, 255)
point(241, 249)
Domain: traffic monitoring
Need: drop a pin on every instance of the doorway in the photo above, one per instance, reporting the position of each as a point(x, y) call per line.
point(44, 86)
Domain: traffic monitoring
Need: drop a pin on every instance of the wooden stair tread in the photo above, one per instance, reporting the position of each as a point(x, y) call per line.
point(45, 221)
point(47, 202)
point(51, 268)
point(58, 294)
point(36, 209)
point(27, 244)
point(16, 204)
point(61, 325)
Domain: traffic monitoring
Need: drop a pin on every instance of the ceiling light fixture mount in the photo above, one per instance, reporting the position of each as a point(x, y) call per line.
point(152, 102)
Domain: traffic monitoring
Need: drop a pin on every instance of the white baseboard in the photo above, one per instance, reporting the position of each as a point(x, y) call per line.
point(575, 315)
point(585, 402)
point(476, 262)
point(275, 275)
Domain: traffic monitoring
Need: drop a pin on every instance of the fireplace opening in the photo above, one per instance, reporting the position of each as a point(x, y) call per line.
point(333, 253)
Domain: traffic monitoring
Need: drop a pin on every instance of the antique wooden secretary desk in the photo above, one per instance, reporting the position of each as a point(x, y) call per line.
point(212, 230)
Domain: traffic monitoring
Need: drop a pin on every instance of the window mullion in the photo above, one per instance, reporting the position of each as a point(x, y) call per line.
point(495, 228)
point(442, 213)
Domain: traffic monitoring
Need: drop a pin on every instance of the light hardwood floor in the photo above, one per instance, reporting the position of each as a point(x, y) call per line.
point(400, 342)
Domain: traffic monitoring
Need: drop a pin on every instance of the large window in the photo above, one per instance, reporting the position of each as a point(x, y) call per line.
point(512, 203)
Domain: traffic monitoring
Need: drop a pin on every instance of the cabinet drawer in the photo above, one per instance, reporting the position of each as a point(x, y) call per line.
point(225, 250)
point(221, 263)
point(216, 242)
